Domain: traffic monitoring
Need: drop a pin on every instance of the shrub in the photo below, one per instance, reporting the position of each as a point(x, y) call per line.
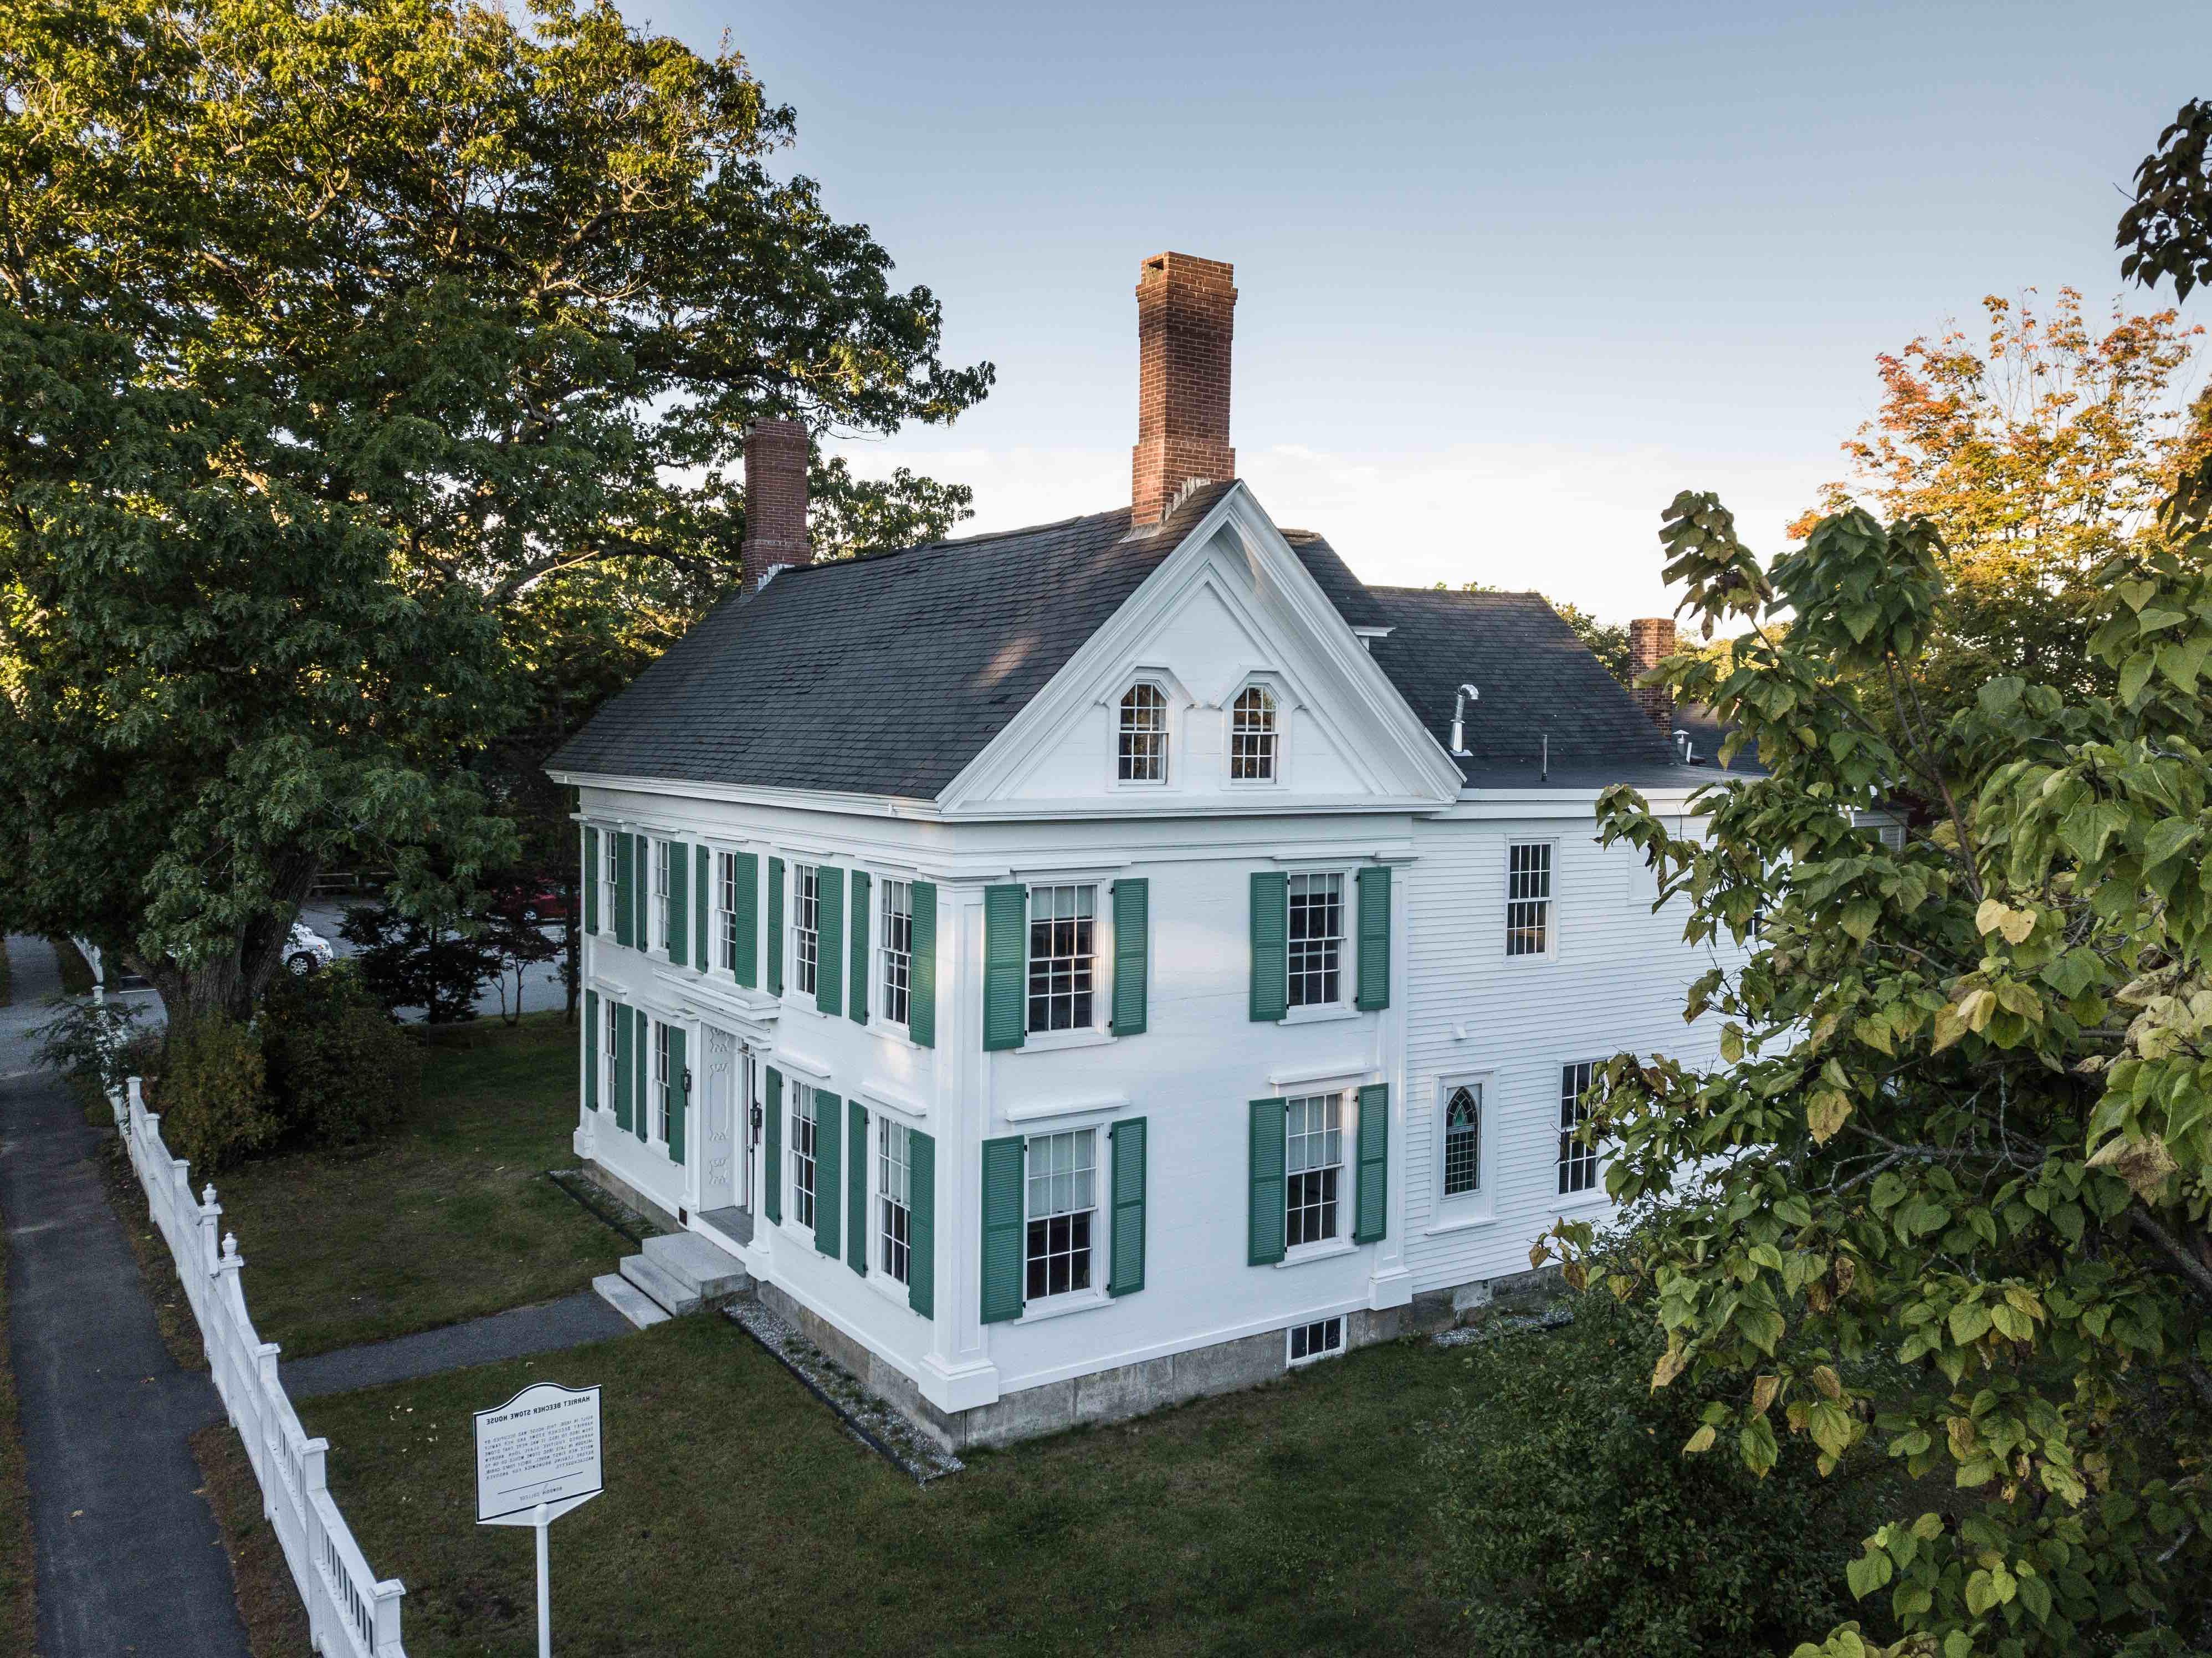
point(340, 1072)
point(93, 1042)
point(1576, 1525)
point(213, 1100)
point(406, 963)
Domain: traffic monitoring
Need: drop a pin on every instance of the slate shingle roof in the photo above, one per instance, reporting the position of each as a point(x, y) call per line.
point(884, 674)
point(1535, 678)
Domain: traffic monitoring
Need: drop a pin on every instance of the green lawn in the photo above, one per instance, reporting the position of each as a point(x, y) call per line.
point(448, 1218)
point(739, 1516)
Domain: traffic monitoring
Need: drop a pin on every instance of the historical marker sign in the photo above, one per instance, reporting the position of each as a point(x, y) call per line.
point(540, 1448)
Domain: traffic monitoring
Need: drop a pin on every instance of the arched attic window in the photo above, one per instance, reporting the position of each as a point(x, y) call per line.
point(1144, 734)
point(1252, 736)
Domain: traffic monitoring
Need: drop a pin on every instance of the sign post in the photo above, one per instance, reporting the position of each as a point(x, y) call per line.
point(537, 1457)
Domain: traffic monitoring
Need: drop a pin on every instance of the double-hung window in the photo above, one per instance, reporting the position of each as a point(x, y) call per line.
point(607, 1050)
point(1316, 959)
point(1063, 1204)
point(803, 1128)
point(726, 887)
point(1528, 898)
point(1252, 736)
point(1142, 734)
point(893, 1200)
point(806, 925)
point(1577, 1158)
point(609, 866)
point(1063, 960)
point(1463, 1141)
point(661, 1082)
point(1313, 1166)
point(895, 974)
point(660, 894)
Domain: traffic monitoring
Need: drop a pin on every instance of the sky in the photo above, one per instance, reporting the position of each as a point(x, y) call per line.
point(1508, 276)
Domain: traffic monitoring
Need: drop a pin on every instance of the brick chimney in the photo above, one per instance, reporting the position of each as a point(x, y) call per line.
point(1651, 639)
point(1186, 315)
point(775, 500)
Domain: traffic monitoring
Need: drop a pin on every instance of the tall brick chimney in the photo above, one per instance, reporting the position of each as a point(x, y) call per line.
point(1186, 315)
point(775, 500)
point(1651, 639)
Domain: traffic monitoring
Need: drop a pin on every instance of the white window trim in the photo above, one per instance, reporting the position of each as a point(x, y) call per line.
point(1338, 1242)
point(879, 955)
point(657, 866)
point(1099, 1030)
point(886, 1285)
point(608, 856)
point(656, 1036)
point(1173, 702)
point(1102, 1220)
point(809, 999)
point(608, 1005)
point(787, 1175)
point(1594, 1193)
point(1551, 950)
point(1279, 694)
point(1347, 948)
point(1466, 1208)
point(1343, 1341)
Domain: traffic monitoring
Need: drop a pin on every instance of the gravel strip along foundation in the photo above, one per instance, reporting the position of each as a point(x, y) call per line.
point(1556, 1316)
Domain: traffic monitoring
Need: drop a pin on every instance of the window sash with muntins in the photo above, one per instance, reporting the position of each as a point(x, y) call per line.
point(1577, 1160)
point(1062, 1199)
point(894, 1199)
point(1528, 898)
point(1313, 961)
point(608, 1057)
point(895, 948)
point(660, 894)
point(1313, 1164)
point(726, 887)
point(1142, 746)
point(1463, 1141)
point(806, 926)
point(1063, 957)
point(1252, 736)
point(612, 862)
point(660, 1081)
point(804, 1126)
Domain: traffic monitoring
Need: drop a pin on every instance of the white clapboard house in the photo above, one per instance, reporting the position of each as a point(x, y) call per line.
point(1086, 966)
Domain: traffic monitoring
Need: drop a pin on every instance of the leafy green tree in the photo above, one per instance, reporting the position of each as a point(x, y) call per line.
point(330, 333)
point(1965, 1119)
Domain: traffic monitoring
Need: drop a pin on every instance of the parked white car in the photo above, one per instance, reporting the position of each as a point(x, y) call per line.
point(308, 950)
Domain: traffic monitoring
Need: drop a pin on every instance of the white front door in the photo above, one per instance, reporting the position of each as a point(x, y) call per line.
point(719, 1174)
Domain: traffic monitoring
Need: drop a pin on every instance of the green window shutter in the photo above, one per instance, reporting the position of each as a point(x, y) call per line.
point(1371, 1220)
point(772, 1174)
point(1270, 921)
point(830, 940)
point(679, 904)
point(702, 906)
point(624, 932)
point(1127, 1270)
point(1006, 966)
point(856, 994)
point(826, 1186)
point(591, 888)
point(1374, 939)
point(921, 1012)
point(856, 1187)
point(642, 1046)
point(1004, 1166)
point(775, 927)
point(921, 1225)
point(591, 1050)
point(1266, 1225)
point(1131, 954)
point(679, 1093)
point(746, 971)
point(622, 1100)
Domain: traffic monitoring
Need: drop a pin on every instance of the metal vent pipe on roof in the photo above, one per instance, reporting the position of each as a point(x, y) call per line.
point(1467, 693)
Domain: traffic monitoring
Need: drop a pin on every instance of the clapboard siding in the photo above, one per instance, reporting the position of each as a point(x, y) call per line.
point(1615, 980)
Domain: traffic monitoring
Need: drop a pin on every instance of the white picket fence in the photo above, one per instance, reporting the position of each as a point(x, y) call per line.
point(350, 1611)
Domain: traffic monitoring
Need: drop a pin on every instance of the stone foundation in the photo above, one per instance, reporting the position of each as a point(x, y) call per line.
point(1131, 1390)
point(604, 1178)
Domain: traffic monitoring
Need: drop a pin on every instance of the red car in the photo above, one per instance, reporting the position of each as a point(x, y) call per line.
point(531, 901)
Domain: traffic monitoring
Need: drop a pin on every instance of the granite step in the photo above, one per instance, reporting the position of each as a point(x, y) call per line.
point(662, 1285)
point(712, 1275)
point(632, 1302)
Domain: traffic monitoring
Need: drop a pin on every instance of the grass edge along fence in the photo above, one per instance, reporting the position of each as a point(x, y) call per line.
point(350, 1611)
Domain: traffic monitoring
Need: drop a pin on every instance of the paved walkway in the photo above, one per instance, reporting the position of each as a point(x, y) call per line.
point(516, 1334)
point(129, 1560)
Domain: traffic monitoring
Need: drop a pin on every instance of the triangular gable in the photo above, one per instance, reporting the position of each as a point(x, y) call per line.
point(1232, 605)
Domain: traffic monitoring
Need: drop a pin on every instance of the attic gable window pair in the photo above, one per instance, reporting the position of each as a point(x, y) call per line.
point(1141, 740)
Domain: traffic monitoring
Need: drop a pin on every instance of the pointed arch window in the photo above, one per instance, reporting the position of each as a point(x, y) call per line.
point(1463, 1141)
point(1252, 736)
point(1143, 747)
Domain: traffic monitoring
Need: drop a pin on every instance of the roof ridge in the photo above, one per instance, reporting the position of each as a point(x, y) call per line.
point(871, 554)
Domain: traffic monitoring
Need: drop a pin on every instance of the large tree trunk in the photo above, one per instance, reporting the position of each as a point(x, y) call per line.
point(231, 983)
